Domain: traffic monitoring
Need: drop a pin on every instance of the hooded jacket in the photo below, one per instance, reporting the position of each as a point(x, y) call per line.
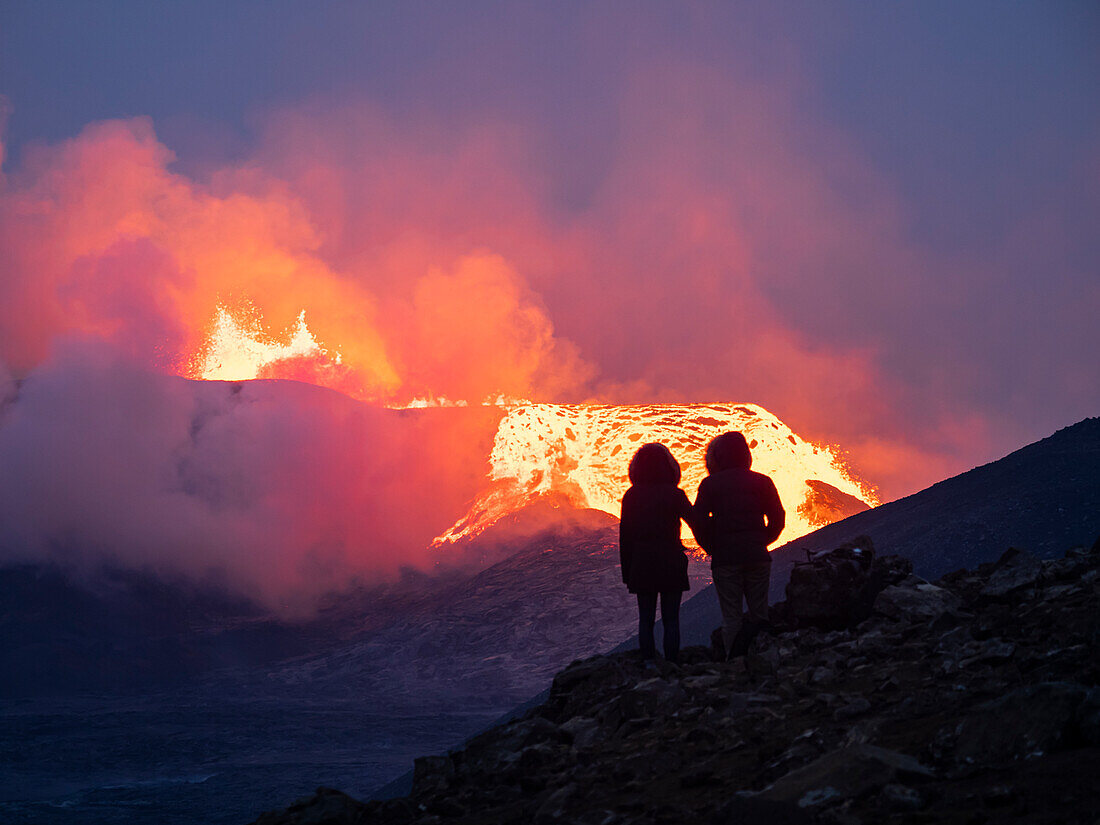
point(738, 512)
point(650, 550)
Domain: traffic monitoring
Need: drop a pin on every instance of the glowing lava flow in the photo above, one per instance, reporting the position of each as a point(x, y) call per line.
point(582, 452)
point(576, 452)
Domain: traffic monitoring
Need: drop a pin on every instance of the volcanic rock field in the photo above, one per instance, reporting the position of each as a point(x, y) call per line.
point(972, 699)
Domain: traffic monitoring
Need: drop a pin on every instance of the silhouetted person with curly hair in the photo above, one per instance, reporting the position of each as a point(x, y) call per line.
point(653, 559)
point(738, 514)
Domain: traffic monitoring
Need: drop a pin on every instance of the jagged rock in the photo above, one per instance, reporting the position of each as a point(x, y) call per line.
point(447, 809)
point(988, 652)
point(887, 570)
point(853, 708)
point(998, 796)
point(432, 772)
point(554, 808)
point(1029, 721)
point(1014, 570)
point(762, 661)
point(1088, 718)
point(956, 639)
point(845, 774)
point(584, 730)
point(741, 810)
point(524, 732)
point(577, 673)
point(326, 807)
point(703, 682)
point(922, 602)
point(902, 798)
point(828, 589)
point(652, 697)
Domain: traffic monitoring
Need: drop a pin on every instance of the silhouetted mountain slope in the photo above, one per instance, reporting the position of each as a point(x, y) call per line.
point(1043, 497)
point(493, 639)
point(116, 632)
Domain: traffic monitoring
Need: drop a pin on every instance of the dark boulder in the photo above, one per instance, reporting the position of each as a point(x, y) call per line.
point(916, 601)
point(1014, 570)
point(836, 589)
point(741, 810)
point(326, 807)
point(1027, 722)
point(846, 773)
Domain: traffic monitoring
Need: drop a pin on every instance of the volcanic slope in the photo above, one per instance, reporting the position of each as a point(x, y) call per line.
point(1043, 497)
point(951, 703)
point(489, 641)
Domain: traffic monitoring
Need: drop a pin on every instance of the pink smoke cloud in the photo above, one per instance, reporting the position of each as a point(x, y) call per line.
point(278, 490)
point(732, 248)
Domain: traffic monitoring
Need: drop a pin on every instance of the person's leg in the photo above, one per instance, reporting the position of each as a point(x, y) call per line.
point(647, 615)
point(754, 580)
point(757, 577)
point(727, 584)
point(670, 618)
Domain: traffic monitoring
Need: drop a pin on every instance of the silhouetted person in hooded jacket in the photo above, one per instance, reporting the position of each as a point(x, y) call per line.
point(738, 514)
point(653, 559)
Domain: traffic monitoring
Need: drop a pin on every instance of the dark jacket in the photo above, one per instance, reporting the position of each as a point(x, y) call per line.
point(650, 551)
point(733, 503)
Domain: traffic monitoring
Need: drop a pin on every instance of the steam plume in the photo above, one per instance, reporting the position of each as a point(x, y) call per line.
point(277, 490)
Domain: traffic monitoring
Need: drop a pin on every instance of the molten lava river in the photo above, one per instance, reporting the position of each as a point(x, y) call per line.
point(575, 453)
point(581, 452)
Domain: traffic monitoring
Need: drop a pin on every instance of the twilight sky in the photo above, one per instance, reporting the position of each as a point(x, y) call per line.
point(877, 220)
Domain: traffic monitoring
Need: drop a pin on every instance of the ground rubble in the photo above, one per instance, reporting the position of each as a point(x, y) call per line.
point(972, 699)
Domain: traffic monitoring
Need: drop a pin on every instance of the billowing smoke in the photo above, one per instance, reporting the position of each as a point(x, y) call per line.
point(726, 246)
point(278, 490)
point(104, 239)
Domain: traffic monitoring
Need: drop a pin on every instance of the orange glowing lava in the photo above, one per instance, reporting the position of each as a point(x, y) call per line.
point(581, 452)
point(238, 350)
point(576, 452)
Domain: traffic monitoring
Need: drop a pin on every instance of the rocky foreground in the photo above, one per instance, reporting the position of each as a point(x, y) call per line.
point(969, 700)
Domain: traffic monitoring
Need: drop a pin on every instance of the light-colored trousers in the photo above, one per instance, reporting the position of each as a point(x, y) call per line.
point(737, 582)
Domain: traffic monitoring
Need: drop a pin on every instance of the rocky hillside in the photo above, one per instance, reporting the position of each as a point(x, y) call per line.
point(969, 700)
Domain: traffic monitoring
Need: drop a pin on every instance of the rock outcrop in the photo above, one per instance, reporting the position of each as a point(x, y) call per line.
point(973, 699)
